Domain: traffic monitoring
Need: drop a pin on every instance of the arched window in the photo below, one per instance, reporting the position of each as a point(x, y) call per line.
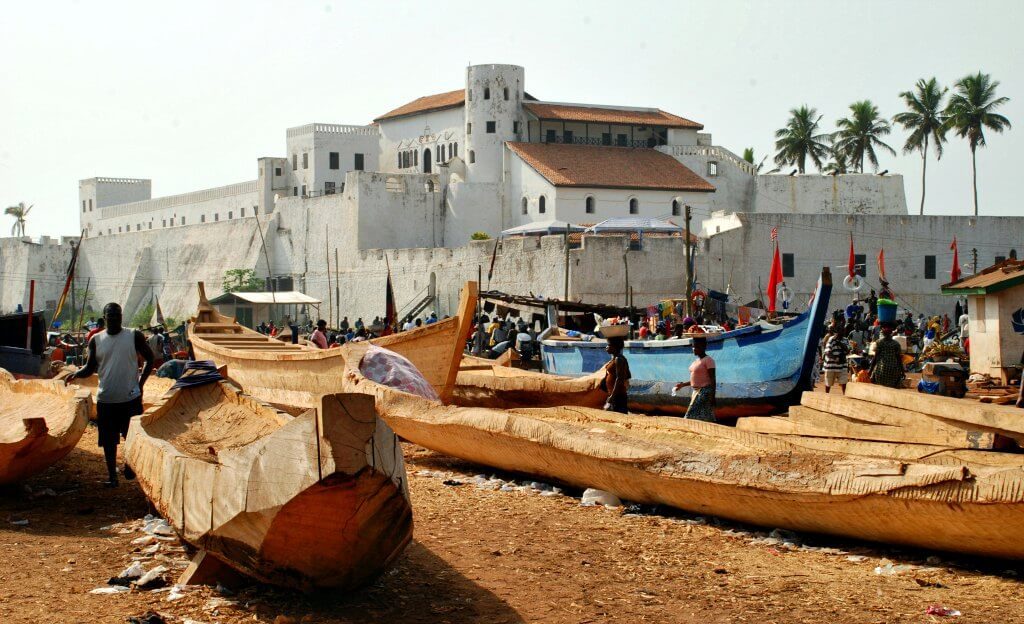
point(415, 158)
point(634, 205)
point(441, 157)
point(399, 160)
point(589, 208)
point(675, 207)
point(472, 157)
point(455, 149)
point(429, 186)
point(542, 204)
point(487, 93)
point(525, 206)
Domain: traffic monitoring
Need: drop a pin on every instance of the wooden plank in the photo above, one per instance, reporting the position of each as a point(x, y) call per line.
point(467, 303)
point(958, 434)
point(842, 427)
point(1004, 419)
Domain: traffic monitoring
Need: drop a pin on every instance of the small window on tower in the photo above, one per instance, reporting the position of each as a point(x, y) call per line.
point(295, 162)
point(242, 212)
point(231, 214)
point(440, 151)
point(712, 168)
point(83, 205)
point(202, 218)
point(525, 205)
point(542, 204)
point(305, 160)
point(487, 93)
point(277, 171)
point(455, 149)
point(491, 127)
point(469, 128)
point(515, 127)
point(90, 205)
point(295, 191)
point(303, 190)
point(216, 216)
point(335, 160)
point(506, 93)
point(360, 160)
point(472, 157)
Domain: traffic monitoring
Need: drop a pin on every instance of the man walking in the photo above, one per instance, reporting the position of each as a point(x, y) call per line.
point(114, 354)
point(834, 363)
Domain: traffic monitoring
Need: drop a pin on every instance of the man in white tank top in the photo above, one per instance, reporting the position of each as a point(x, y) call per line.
point(114, 354)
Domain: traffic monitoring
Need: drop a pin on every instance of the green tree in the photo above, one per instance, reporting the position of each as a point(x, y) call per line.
point(925, 120)
point(801, 139)
point(859, 135)
point(479, 236)
point(143, 316)
point(19, 213)
point(748, 155)
point(970, 111)
point(838, 163)
point(242, 280)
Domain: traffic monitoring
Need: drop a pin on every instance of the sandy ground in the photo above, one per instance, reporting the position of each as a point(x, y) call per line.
point(492, 556)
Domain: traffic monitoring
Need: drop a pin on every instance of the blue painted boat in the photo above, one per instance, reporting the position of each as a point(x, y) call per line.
point(761, 369)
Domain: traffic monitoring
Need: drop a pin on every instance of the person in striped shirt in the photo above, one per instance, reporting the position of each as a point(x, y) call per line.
point(834, 359)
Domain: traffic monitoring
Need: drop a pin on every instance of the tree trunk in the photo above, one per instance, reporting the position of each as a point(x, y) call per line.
point(924, 169)
point(974, 176)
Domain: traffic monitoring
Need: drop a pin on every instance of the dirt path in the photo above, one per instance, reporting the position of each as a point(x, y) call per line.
point(484, 555)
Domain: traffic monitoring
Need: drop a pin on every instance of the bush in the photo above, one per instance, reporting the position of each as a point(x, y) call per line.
point(480, 236)
point(143, 316)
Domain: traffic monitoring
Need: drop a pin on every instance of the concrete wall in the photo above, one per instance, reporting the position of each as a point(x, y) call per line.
point(96, 193)
point(21, 260)
point(740, 258)
point(853, 193)
point(994, 343)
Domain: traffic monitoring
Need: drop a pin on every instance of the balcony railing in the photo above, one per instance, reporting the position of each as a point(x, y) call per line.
point(581, 140)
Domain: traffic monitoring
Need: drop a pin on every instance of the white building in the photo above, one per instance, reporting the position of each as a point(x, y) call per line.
point(489, 156)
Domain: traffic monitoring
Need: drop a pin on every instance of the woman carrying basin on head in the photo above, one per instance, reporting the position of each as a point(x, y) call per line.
point(702, 380)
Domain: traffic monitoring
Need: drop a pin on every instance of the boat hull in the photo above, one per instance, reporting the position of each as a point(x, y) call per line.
point(41, 420)
point(312, 502)
point(758, 371)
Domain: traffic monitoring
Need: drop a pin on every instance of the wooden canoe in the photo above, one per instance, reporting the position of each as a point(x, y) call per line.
point(297, 375)
point(486, 383)
point(958, 501)
point(41, 420)
point(310, 502)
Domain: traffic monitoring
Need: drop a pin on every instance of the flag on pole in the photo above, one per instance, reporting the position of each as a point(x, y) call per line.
point(68, 281)
point(390, 312)
point(853, 259)
point(881, 264)
point(954, 273)
point(158, 315)
point(774, 279)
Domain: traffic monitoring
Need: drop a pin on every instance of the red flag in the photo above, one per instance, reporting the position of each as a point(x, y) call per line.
point(774, 279)
point(390, 313)
point(853, 259)
point(881, 264)
point(954, 274)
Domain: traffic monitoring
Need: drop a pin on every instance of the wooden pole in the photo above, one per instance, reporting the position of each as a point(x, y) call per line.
point(330, 299)
point(689, 276)
point(81, 315)
point(337, 287)
point(74, 306)
point(625, 261)
point(31, 302)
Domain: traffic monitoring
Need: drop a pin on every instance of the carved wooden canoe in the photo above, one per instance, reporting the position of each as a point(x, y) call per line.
point(958, 501)
point(41, 420)
point(315, 501)
point(297, 375)
point(485, 383)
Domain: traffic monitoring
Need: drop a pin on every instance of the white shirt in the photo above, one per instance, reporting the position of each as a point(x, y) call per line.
point(409, 325)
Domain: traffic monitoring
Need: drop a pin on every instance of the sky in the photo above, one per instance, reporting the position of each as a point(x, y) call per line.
point(190, 94)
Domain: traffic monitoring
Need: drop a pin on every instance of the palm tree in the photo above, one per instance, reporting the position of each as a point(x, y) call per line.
point(858, 135)
point(19, 213)
point(838, 163)
point(925, 120)
point(801, 139)
point(970, 111)
point(748, 155)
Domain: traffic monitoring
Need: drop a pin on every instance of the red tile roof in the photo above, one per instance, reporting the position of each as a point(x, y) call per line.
point(609, 167)
point(561, 112)
point(441, 101)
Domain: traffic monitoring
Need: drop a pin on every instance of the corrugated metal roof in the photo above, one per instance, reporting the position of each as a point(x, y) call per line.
point(284, 296)
point(995, 278)
point(606, 115)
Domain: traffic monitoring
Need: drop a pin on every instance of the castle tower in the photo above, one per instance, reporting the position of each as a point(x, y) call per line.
point(494, 97)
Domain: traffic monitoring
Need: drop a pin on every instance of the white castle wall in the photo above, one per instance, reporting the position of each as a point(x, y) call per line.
point(410, 133)
point(850, 193)
point(742, 257)
point(317, 141)
point(21, 260)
